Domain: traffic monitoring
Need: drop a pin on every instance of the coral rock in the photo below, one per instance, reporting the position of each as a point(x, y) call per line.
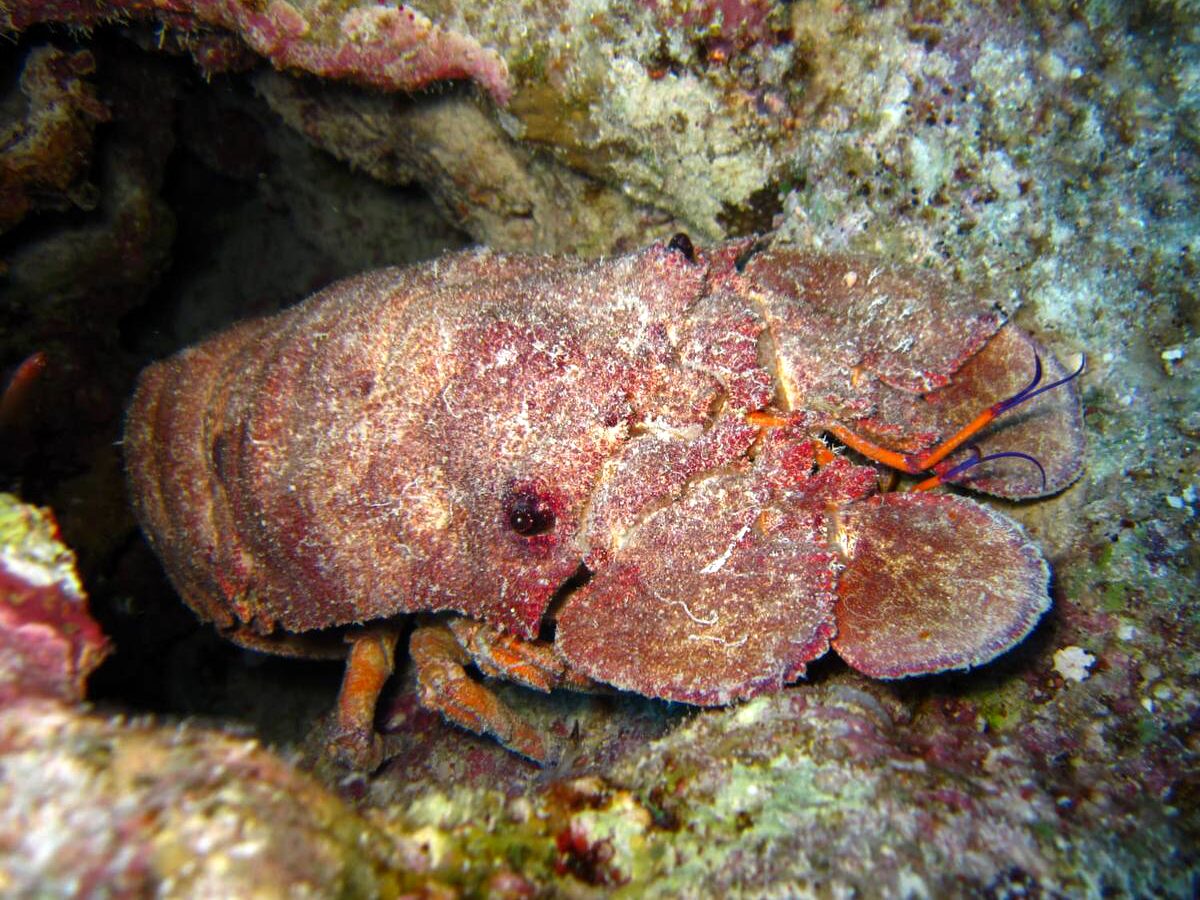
point(49, 643)
point(387, 47)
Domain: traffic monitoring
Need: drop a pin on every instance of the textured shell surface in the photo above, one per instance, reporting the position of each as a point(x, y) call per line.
point(474, 433)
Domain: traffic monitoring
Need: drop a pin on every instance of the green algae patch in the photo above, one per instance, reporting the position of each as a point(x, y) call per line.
point(29, 540)
point(1115, 598)
point(773, 800)
point(1002, 703)
point(623, 828)
point(757, 805)
point(439, 810)
point(588, 832)
point(465, 836)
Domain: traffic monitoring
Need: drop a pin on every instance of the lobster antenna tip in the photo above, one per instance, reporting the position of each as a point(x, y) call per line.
point(1033, 389)
point(977, 458)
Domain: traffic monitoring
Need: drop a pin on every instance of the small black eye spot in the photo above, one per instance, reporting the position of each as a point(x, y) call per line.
point(683, 244)
point(528, 515)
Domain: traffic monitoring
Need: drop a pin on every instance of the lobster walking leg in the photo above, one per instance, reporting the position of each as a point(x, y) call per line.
point(369, 664)
point(444, 685)
point(534, 664)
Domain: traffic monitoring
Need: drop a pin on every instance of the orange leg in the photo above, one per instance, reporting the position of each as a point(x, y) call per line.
point(445, 686)
point(17, 409)
point(369, 665)
point(915, 463)
point(501, 655)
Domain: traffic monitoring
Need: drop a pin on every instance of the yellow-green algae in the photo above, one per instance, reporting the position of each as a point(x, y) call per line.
point(29, 540)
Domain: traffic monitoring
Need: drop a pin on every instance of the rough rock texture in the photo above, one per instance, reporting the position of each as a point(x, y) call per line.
point(49, 644)
point(491, 186)
point(92, 804)
point(385, 46)
point(47, 150)
point(95, 805)
point(729, 116)
point(791, 793)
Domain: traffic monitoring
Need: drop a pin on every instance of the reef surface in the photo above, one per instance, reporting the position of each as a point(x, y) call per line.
point(169, 167)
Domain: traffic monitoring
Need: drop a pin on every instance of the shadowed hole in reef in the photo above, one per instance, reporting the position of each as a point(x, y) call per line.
point(262, 220)
point(169, 663)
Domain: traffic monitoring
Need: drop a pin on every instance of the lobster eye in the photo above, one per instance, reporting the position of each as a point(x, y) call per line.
point(529, 515)
point(681, 243)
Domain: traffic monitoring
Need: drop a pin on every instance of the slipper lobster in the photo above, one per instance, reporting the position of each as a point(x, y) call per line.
point(609, 472)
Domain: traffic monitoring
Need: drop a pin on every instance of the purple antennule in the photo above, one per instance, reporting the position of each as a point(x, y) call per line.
point(1031, 390)
point(978, 458)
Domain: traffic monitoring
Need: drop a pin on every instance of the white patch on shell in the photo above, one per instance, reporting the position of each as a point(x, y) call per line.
point(717, 564)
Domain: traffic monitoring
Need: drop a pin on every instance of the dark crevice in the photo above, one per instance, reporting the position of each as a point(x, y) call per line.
point(581, 577)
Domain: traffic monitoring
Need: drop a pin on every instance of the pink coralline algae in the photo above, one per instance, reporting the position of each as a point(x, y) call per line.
point(390, 47)
point(49, 643)
point(633, 445)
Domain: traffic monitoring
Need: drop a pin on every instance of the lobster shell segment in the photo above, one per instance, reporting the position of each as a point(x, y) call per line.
point(714, 598)
point(933, 582)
